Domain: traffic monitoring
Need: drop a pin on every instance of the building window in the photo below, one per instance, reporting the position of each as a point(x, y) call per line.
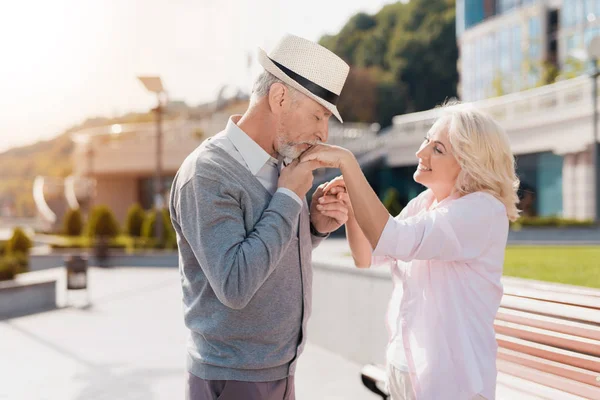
point(568, 13)
point(535, 38)
point(573, 42)
point(590, 33)
point(517, 58)
point(505, 6)
point(146, 191)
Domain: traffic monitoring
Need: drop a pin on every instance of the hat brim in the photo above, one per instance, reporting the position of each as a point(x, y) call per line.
point(269, 66)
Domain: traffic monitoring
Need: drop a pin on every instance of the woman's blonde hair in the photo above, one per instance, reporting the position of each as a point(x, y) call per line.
point(483, 152)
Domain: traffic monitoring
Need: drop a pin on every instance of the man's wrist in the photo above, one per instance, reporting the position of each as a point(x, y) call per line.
point(316, 233)
point(290, 193)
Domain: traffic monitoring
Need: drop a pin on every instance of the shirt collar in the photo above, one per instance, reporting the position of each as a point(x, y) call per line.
point(254, 156)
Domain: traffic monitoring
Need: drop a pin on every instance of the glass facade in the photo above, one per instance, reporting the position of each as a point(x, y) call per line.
point(508, 57)
point(541, 192)
point(579, 23)
point(468, 13)
point(504, 6)
point(493, 64)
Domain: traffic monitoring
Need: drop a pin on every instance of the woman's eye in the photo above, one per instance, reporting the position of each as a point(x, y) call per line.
point(317, 117)
point(438, 151)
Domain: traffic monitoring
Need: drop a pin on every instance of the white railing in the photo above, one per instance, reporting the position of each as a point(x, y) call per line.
point(563, 99)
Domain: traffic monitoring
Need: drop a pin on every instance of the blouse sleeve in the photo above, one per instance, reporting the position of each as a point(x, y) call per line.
point(459, 231)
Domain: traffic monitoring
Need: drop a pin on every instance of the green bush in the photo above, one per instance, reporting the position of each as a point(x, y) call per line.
point(148, 231)
point(103, 223)
point(135, 220)
point(73, 222)
point(19, 242)
point(391, 201)
point(551, 221)
point(9, 267)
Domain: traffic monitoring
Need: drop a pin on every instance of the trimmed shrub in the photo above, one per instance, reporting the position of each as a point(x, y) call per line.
point(391, 201)
point(551, 221)
point(73, 222)
point(18, 243)
point(148, 231)
point(9, 267)
point(135, 220)
point(103, 223)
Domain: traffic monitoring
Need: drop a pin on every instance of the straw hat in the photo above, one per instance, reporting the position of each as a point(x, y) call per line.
point(309, 68)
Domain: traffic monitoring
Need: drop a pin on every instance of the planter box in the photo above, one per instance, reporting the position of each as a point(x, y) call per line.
point(21, 297)
point(117, 258)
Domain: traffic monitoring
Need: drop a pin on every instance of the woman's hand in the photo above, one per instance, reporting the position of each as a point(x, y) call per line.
point(328, 155)
point(335, 191)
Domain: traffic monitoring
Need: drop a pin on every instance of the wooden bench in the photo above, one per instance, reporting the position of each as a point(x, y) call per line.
point(550, 334)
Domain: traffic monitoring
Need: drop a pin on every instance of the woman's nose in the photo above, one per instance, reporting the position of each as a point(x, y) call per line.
point(422, 152)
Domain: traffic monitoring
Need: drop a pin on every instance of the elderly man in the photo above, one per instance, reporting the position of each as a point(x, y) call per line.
point(245, 232)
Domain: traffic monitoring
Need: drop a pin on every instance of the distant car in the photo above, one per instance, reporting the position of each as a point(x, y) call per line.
point(373, 377)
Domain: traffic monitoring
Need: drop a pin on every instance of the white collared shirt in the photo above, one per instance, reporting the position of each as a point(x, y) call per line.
point(248, 153)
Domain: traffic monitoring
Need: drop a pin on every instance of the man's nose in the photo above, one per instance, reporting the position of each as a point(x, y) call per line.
point(324, 132)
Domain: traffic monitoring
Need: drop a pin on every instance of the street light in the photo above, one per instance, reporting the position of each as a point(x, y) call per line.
point(592, 55)
point(154, 84)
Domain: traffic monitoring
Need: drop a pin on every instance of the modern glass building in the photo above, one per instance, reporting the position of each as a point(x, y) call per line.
point(506, 45)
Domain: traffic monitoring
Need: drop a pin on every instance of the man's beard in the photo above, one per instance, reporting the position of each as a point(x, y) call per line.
point(292, 150)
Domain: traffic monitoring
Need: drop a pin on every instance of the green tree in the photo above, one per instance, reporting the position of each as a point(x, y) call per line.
point(410, 51)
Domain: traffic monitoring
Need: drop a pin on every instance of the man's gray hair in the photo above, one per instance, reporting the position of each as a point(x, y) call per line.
point(263, 84)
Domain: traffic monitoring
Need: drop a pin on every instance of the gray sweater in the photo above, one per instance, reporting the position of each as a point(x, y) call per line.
point(245, 264)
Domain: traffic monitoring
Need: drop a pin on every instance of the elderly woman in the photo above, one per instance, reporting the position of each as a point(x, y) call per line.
point(446, 251)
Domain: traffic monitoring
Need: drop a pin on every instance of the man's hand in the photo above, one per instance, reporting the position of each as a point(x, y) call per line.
point(327, 211)
point(298, 177)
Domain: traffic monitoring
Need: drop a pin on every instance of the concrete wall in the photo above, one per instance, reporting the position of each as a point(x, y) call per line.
point(349, 307)
point(118, 193)
point(24, 298)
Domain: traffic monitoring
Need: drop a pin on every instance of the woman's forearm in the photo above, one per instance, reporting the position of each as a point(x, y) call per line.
point(370, 213)
point(359, 244)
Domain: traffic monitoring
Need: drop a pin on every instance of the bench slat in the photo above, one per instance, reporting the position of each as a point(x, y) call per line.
point(549, 323)
point(552, 367)
point(549, 380)
point(584, 361)
point(568, 312)
point(560, 340)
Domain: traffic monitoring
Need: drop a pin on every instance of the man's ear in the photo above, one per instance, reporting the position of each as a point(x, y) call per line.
point(279, 95)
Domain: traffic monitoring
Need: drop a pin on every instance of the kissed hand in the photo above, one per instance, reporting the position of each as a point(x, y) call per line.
point(327, 155)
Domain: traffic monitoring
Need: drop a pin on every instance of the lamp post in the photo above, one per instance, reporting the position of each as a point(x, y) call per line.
point(154, 84)
point(594, 54)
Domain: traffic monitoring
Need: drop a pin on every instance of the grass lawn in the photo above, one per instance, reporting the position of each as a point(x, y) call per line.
point(574, 265)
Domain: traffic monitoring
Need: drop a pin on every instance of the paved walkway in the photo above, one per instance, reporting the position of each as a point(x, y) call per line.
point(130, 344)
